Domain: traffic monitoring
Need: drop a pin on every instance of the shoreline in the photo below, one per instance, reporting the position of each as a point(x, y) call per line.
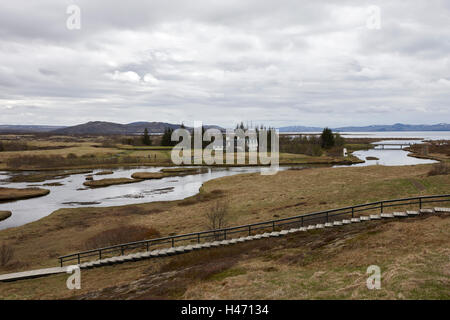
point(167, 202)
point(429, 157)
point(165, 164)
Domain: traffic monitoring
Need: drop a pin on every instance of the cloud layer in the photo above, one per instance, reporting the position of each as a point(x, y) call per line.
point(274, 62)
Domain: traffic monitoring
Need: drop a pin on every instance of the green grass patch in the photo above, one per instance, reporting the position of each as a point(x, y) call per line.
point(227, 274)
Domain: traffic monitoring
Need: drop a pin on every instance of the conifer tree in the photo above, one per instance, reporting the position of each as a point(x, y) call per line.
point(327, 138)
point(146, 138)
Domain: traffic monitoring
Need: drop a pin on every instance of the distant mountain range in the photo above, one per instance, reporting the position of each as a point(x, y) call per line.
point(97, 128)
point(107, 128)
point(27, 128)
point(373, 128)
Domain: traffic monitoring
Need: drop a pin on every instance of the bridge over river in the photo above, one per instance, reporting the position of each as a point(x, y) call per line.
point(392, 146)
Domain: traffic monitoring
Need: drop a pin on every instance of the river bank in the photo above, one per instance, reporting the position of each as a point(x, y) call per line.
point(288, 193)
point(69, 188)
point(296, 191)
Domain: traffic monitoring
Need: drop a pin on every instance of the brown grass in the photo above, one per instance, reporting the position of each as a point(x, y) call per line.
point(201, 197)
point(6, 254)
point(53, 152)
point(251, 198)
point(5, 215)
point(439, 169)
point(103, 173)
point(122, 234)
point(12, 194)
point(168, 172)
point(44, 176)
point(323, 264)
point(440, 147)
point(437, 150)
point(148, 175)
point(109, 182)
point(183, 170)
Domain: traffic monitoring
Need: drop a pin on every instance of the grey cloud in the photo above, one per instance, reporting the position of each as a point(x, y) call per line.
point(222, 61)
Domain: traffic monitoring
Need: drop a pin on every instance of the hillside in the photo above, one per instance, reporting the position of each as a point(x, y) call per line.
point(105, 128)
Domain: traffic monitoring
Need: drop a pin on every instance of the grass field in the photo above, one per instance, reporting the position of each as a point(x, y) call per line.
point(251, 198)
point(324, 264)
point(58, 153)
point(12, 194)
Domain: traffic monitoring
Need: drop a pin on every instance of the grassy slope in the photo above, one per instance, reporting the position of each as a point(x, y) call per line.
point(324, 264)
point(252, 197)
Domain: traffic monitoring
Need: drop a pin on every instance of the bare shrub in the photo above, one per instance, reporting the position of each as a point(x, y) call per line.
point(432, 147)
point(217, 216)
point(108, 144)
point(16, 146)
point(6, 254)
point(335, 152)
point(309, 145)
point(120, 235)
point(439, 169)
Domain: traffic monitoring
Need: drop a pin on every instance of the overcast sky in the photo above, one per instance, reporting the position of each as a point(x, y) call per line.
point(314, 63)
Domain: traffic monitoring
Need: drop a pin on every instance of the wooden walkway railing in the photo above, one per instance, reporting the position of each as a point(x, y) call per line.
point(278, 224)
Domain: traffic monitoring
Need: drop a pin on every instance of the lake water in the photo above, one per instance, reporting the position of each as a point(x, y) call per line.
point(73, 194)
point(388, 158)
point(390, 155)
point(422, 135)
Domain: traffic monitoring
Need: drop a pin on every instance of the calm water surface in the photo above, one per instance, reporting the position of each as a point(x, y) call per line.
point(390, 155)
point(73, 194)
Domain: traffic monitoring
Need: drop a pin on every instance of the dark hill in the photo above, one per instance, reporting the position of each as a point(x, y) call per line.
point(106, 128)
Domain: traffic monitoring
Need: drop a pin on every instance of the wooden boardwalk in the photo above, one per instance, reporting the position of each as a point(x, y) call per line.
point(32, 274)
point(214, 244)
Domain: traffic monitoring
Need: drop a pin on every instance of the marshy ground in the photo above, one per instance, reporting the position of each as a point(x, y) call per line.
point(12, 194)
point(43, 152)
point(413, 254)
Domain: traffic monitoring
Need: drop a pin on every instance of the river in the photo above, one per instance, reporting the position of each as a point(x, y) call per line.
point(72, 194)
